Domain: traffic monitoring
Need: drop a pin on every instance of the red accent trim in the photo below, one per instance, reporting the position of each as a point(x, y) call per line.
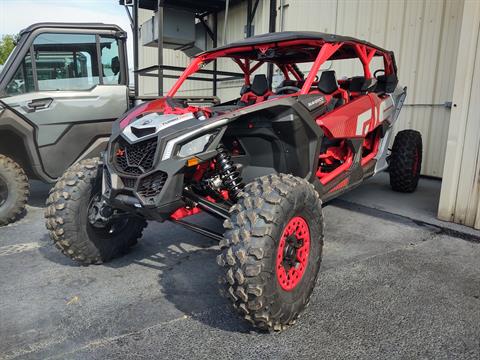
point(263, 49)
point(289, 279)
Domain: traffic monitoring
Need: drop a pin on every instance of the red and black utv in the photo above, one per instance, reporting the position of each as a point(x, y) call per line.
point(264, 163)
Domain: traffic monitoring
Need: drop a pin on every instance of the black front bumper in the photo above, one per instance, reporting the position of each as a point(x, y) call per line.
point(150, 188)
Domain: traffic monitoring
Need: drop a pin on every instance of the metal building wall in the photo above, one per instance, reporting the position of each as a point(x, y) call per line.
point(423, 33)
point(424, 36)
point(460, 195)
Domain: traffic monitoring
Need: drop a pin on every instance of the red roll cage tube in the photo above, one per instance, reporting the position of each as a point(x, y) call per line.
point(364, 53)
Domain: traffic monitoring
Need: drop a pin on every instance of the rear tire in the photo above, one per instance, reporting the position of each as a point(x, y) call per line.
point(67, 218)
point(406, 161)
point(14, 190)
point(275, 230)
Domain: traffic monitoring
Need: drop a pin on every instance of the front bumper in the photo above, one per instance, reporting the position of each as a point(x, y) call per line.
point(153, 190)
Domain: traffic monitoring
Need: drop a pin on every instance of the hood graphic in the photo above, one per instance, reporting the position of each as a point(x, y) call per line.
point(152, 123)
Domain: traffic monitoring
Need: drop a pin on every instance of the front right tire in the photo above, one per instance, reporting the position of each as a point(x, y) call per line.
point(272, 249)
point(67, 220)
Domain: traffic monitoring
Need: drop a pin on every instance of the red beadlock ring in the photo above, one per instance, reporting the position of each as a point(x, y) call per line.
point(298, 233)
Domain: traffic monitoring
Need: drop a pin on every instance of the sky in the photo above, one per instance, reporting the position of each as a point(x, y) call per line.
point(16, 15)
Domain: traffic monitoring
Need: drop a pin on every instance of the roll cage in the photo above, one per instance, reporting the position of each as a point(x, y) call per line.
point(286, 54)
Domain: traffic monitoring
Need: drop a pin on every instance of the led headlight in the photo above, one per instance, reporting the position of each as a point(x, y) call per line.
point(195, 146)
point(171, 144)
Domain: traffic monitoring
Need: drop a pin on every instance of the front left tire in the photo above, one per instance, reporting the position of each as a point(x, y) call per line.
point(69, 210)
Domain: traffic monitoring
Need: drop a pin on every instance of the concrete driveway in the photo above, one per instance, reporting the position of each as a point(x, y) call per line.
point(388, 289)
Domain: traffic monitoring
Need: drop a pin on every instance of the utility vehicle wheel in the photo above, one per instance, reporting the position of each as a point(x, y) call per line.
point(272, 250)
point(81, 225)
point(13, 190)
point(406, 161)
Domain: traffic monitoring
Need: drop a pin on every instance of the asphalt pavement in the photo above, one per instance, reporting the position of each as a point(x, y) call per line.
point(389, 288)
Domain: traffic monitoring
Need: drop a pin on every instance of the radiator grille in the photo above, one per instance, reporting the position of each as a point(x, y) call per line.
point(135, 159)
point(128, 182)
point(152, 185)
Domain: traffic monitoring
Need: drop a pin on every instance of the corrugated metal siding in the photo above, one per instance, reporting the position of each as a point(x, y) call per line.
point(424, 36)
point(422, 33)
point(460, 195)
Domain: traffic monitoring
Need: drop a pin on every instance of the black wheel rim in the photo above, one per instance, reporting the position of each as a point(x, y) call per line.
point(111, 228)
point(3, 192)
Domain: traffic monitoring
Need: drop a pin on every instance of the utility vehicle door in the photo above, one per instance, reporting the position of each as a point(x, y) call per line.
point(69, 84)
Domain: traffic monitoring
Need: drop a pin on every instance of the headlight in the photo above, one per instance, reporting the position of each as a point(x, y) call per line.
point(213, 126)
point(195, 146)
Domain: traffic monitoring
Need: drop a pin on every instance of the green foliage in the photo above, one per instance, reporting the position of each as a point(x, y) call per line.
point(6, 46)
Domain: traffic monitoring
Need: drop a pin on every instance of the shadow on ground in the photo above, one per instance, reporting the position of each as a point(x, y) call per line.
point(188, 274)
point(38, 193)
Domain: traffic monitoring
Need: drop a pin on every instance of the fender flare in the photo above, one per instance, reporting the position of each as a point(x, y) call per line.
point(11, 121)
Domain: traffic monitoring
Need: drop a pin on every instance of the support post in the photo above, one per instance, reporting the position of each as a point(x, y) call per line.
point(248, 31)
point(160, 47)
point(225, 22)
point(215, 44)
point(271, 29)
point(135, 47)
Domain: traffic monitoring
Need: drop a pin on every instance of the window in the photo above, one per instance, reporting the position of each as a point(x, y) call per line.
point(22, 81)
point(66, 61)
point(110, 60)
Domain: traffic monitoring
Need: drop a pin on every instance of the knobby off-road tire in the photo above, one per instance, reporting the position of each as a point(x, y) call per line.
point(406, 161)
point(14, 190)
point(265, 210)
point(68, 225)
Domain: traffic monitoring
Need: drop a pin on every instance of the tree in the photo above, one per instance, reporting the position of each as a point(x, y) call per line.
point(6, 46)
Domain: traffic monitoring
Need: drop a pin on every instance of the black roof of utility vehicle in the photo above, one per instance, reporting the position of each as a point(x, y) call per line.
point(302, 52)
point(293, 35)
point(95, 26)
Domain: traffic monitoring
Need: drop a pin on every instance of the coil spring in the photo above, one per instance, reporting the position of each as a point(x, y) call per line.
point(229, 173)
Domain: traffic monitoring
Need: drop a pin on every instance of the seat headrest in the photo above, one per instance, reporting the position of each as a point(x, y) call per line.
point(386, 83)
point(260, 85)
point(355, 83)
point(328, 82)
point(361, 84)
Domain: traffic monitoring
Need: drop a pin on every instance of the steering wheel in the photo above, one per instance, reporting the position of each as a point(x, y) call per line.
point(378, 71)
point(283, 89)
